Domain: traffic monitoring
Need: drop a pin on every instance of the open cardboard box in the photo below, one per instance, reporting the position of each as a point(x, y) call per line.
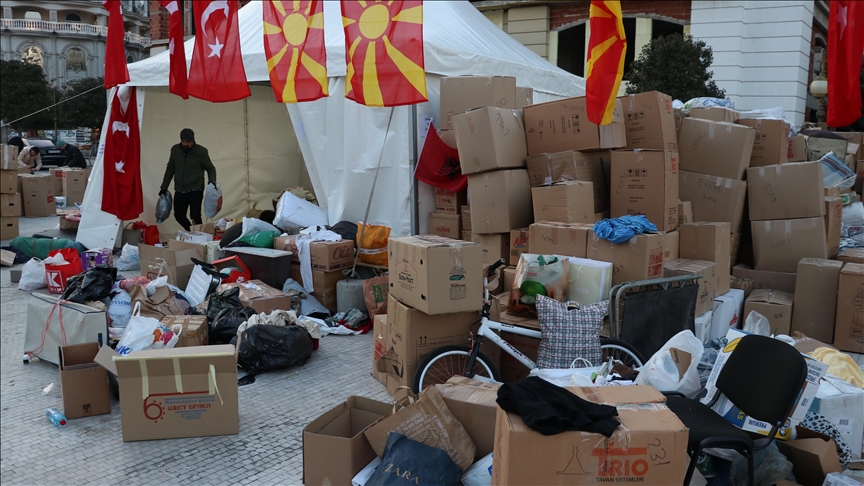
point(813, 456)
point(84, 384)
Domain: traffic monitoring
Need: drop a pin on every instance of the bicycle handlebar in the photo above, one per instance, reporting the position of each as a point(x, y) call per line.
point(495, 266)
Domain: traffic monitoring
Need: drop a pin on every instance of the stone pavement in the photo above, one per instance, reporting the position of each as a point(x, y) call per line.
point(273, 412)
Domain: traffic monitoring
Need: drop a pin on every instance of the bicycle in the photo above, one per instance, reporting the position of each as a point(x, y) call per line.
point(449, 361)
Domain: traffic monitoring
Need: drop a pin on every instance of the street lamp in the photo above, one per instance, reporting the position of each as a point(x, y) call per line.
point(819, 88)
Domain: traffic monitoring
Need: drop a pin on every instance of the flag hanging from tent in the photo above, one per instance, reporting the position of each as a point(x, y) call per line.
point(116, 71)
point(294, 44)
point(217, 72)
point(176, 49)
point(845, 48)
point(606, 49)
point(384, 52)
point(121, 189)
point(439, 165)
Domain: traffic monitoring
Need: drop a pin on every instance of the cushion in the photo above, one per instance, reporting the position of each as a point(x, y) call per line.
point(569, 334)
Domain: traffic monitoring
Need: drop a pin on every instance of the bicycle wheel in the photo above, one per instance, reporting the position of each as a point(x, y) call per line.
point(621, 351)
point(447, 362)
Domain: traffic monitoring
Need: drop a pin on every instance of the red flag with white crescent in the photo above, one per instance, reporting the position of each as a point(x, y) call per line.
point(121, 190)
point(116, 71)
point(176, 49)
point(217, 72)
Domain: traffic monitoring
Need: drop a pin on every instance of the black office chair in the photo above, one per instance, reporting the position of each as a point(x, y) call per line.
point(762, 377)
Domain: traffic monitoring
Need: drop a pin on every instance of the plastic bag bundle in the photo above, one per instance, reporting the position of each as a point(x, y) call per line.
point(33, 275)
point(94, 284)
point(224, 327)
point(708, 102)
point(373, 244)
point(292, 211)
point(212, 200)
point(265, 347)
point(120, 309)
point(129, 258)
point(163, 207)
point(147, 333)
point(661, 371)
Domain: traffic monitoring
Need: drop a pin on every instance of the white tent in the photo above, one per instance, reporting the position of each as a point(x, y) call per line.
point(332, 144)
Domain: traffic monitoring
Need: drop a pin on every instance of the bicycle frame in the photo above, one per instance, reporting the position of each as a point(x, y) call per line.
point(487, 328)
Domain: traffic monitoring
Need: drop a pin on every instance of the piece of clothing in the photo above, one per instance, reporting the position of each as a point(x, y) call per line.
point(303, 242)
point(188, 201)
point(619, 230)
point(74, 157)
point(550, 409)
point(187, 169)
point(26, 159)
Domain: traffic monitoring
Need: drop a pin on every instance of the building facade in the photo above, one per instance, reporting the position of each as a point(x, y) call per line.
point(67, 37)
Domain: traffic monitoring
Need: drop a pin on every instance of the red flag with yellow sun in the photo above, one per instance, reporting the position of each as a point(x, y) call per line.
point(606, 48)
point(294, 44)
point(384, 52)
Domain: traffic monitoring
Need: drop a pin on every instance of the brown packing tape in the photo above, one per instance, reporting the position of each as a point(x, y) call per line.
point(471, 128)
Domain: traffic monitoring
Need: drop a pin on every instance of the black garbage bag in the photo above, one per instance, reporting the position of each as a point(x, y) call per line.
point(94, 284)
point(266, 348)
point(224, 326)
point(347, 230)
point(217, 301)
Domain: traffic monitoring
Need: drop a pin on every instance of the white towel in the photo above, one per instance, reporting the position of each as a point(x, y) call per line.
point(303, 242)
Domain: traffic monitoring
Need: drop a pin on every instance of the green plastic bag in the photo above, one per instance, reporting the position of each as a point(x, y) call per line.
point(263, 239)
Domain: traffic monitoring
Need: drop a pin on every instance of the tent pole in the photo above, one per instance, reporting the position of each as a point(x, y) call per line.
point(415, 191)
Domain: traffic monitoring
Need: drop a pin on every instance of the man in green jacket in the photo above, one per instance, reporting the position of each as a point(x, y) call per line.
point(186, 165)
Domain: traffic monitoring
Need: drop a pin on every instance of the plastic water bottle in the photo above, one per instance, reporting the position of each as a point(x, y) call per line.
point(56, 417)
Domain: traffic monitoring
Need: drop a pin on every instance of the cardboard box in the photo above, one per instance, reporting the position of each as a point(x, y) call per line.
point(524, 456)
point(83, 383)
point(323, 283)
point(37, 194)
point(761, 279)
point(817, 147)
point(734, 245)
point(339, 433)
point(10, 205)
point(175, 261)
point(646, 182)
point(564, 202)
point(524, 97)
point(8, 228)
point(771, 143)
point(562, 125)
point(851, 255)
point(8, 157)
point(707, 284)
point(849, 326)
point(779, 245)
point(649, 121)
point(713, 199)
point(8, 181)
point(710, 242)
point(326, 256)
point(856, 138)
point(379, 346)
point(494, 247)
point(813, 455)
point(57, 175)
point(775, 305)
point(685, 212)
point(786, 191)
point(194, 331)
point(501, 201)
point(260, 296)
point(65, 224)
point(446, 225)
point(816, 298)
point(518, 244)
point(474, 405)
point(833, 224)
point(490, 138)
point(190, 392)
point(715, 113)
point(842, 404)
point(198, 237)
point(552, 238)
point(466, 218)
point(641, 258)
point(74, 185)
point(727, 313)
point(436, 275)
point(462, 93)
point(509, 277)
point(546, 169)
point(840, 479)
point(797, 149)
point(449, 201)
point(672, 246)
point(715, 148)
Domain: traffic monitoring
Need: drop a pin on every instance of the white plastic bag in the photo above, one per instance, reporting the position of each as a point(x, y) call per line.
point(661, 370)
point(756, 323)
point(154, 285)
point(129, 258)
point(292, 211)
point(147, 333)
point(480, 473)
point(120, 309)
point(212, 200)
point(255, 225)
point(33, 275)
point(566, 376)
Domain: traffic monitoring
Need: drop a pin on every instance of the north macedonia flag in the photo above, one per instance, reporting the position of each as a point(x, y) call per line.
point(384, 52)
point(294, 44)
point(606, 48)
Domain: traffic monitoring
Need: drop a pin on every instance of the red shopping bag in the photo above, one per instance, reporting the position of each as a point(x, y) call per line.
point(58, 274)
point(151, 235)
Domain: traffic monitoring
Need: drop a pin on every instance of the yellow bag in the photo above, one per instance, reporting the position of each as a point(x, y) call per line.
point(373, 248)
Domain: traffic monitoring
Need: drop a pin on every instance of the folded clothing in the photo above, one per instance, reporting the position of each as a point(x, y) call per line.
point(619, 230)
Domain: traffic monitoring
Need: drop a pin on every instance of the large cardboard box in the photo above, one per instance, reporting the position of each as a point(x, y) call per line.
point(323, 283)
point(474, 405)
point(338, 433)
point(856, 138)
point(518, 245)
point(524, 97)
point(816, 298)
point(185, 392)
point(436, 275)
point(833, 224)
point(786, 191)
point(715, 148)
point(817, 147)
point(715, 113)
point(449, 201)
point(707, 284)
point(57, 174)
point(466, 218)
point(646, 182)
point(260, 296)
point(494, 246)
point(74, 185)
point(175, 261)
point(685, 211)
point(849, 326)
point(813, 456)
point(761, 279)
point(649, 121)
point(713, 199)
point(326, 256)
point(842, 403)
point(851, 255)
point(641, 258)
point(462, 93)
point(8, 157)
point(562, 125)
point(8, 181)
point(500, 201)
point(771, 143)
point(10, 205)
point(37, 193)
point(8, 227)
point(710, 242)
point(446, 225)
point(83, 383)
point(564, 202)
point(779, 245)
point(775, 305)
point(546, 169)
point(672, 250)
point(551, 238)
point(650, 446)
point(797, 149)
point(490, 138)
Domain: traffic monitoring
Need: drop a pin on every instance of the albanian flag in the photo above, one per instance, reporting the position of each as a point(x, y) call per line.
point(176, 49)
point(121, 192)
point(116, 71)
point(606, 48)
point(294, 44)
point(384, 52)
point(439, 164)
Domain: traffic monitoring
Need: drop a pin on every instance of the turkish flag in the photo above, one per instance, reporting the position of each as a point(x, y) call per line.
point(116, 71)
point(121, 192)
point(845, 48)
point(439, 164)
point(217, 72)
point(176, 49)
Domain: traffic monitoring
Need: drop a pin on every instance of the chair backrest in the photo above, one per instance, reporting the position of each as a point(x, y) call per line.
point(763, 377)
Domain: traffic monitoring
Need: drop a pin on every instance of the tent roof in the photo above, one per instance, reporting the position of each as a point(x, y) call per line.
point(459, 40)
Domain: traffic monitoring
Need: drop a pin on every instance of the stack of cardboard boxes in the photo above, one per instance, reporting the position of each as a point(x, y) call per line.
point(70, 183)
point(446, 220)
point(10, 198)
point(328, 260)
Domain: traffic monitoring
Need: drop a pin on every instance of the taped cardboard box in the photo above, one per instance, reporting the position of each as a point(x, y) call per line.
point(685, 212)
point(65, 224)
point(813, 456)
point(83, 383)
point(553, 238)
point(779, 245)
point(842, 404)
point(494, 246)
point(646, 182)
point(37, 193)
point(833, 224)
point(8, 157)
point(715, 148)
point(518, 244)
point(565, 202)
point(707, 284)
point(9, 181)
point(816, 298)
point(194, 330)
point(10, 205)
point(713, 199)
point(849, 325)
point(640, 258)
point(462, 93)
point(490, 139)
point(175, 261)
point(524, 456)
point(775, 305)
point(649, 121)
point(672, 250)
point(771, 143)
point(562, 125)
point(8, 227)
point(74, 185)
point(715, 113)
point(449, 201)
point(797, 149)
point(446, 225)
point(260, 296)
point(761, 279)
point(786, 191)
point(524, 97)
point(547, 169)
point(326, 256)
point(710, 242)
point(474, 405)
point(501, 201)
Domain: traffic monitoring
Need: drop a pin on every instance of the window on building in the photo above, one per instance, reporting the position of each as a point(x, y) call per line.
point(73, 17)
point(32, 15)
point(76, 60)
point(32, 54)
point(571, 50)
point(660, 28)
point(129, 59)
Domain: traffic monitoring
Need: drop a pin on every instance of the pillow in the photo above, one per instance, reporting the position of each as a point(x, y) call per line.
point(569, 334)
